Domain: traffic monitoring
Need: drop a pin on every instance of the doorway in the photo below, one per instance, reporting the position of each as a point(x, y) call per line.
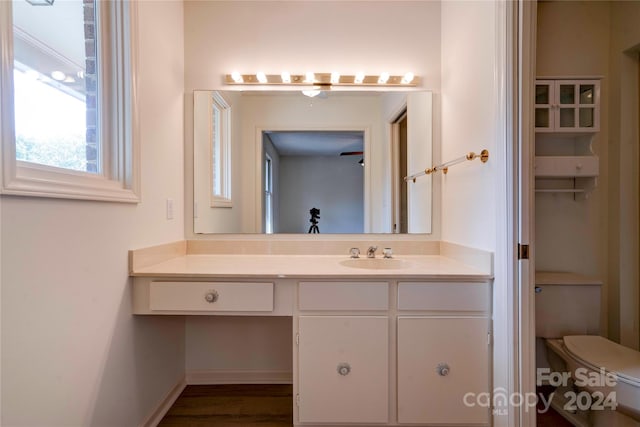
point(399, 170)
point(313, 177)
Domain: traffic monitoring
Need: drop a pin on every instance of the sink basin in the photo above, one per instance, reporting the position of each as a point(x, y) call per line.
point(376, 263)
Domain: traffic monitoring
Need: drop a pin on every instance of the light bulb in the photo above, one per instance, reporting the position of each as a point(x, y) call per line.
point(58, 75)
point(310, 77)
point(262, 77)
point(384, 77)
point(408, 78)
point(237, 77)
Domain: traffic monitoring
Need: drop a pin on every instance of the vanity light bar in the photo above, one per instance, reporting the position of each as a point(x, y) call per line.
point(322, 79)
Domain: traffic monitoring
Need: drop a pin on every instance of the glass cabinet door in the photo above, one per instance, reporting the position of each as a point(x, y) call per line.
point(586, 106)
point(543, 106)
point(567, 105)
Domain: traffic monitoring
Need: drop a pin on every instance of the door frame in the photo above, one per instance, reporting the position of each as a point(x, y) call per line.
point(396, 183)
point(525, 216)
point(514, 310)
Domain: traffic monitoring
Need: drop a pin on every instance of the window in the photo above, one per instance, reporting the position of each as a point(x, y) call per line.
point(220, 140)
point(66, 99)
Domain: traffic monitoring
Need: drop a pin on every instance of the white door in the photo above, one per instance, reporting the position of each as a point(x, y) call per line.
point(343, 364)
point(443, 366)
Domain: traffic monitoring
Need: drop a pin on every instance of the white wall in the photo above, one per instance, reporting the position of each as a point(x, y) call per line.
point(72, 353)
point(265, 344)
point(332, 184)
point(322, 36)
point(571, 235)
point(469, 114)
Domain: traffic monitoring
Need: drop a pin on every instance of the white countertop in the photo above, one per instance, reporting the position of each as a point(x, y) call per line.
point(306, 266)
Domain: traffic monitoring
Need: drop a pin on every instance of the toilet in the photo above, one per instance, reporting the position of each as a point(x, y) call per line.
point(596, 371)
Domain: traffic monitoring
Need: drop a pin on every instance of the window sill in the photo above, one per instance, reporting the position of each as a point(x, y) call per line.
point(43, 181)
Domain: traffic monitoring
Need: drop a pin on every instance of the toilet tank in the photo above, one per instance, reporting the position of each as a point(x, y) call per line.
point(566, 304)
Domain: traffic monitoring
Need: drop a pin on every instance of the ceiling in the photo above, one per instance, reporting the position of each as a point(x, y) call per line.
point(316, 143)
point(51, 38)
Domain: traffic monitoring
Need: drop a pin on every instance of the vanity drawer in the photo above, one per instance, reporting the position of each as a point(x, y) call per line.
point(211, 296)
point(440, 296)
point(343, 296)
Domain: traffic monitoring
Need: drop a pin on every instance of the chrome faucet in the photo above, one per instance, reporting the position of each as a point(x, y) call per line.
point(387, 253)
point(371, 252)
point(354, 253)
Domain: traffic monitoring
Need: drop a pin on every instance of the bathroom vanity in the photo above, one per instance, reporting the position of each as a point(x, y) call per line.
point(375, 341)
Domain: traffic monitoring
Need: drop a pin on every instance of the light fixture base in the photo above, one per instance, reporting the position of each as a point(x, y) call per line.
point(322, 79)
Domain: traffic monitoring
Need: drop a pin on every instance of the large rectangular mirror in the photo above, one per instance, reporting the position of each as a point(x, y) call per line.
point(283, 162)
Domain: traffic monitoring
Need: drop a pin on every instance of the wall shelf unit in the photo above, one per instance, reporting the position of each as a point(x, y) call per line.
point(567, 118)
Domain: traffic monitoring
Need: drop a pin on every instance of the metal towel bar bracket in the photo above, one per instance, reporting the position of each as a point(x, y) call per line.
point(444, 167)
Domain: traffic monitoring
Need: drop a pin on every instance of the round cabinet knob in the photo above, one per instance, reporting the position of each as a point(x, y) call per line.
point(211, 296)
point(442, 369)
point(579, 166)
point(344, 369)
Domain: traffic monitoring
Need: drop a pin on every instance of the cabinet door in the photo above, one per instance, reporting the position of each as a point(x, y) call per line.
point(443, 364)
point(544, 105)
point(567, 106)
point(588, 101)
point(343, 364)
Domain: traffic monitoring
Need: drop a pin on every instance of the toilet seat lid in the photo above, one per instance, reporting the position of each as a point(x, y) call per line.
point(600, 352)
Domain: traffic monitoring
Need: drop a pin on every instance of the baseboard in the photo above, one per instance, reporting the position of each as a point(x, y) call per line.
point(165, 404)
point(230, 376)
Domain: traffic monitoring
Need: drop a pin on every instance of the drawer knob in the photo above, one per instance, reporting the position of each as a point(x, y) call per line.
point(212, 296)
point(442, 369)
point(344, 369)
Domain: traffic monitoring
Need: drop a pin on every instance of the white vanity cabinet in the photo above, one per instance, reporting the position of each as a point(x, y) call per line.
point(392, 353)
point(442, 369)
point(343, 364)
point(342, 352)
point(371, 344)
point(211, 296)
point(443, 354)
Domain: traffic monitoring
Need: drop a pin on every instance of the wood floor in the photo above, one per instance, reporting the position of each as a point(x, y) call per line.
point(269, 405)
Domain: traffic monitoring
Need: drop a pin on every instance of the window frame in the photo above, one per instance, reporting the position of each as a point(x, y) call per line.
point(224, 199)
point(118, 177)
